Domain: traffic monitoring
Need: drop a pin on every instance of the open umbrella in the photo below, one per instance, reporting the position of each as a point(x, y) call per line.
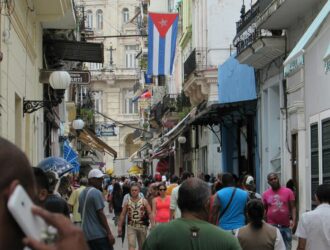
point(71, 157)
point(56, 164)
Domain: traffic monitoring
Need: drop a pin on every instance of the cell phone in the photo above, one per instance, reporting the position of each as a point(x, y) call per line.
point(20, 205)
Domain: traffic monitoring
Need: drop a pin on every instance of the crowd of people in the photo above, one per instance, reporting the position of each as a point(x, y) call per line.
point(181, 213)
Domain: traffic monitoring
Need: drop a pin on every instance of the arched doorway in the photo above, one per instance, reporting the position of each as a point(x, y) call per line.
point(130, 147)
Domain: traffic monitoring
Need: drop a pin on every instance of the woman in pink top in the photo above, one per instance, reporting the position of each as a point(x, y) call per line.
point(161, 205)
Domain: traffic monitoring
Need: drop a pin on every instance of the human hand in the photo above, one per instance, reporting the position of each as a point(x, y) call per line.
point(111, 239)
point(119, 230)
point(69, 237)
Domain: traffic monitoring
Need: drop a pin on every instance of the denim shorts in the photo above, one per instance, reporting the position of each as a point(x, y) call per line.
point(286, 233)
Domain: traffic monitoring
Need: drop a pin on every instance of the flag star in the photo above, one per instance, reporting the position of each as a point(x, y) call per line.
point(163, 22)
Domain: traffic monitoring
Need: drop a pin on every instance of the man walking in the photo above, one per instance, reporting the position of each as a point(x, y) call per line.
point(230, 201)
point(138, 213)
point(192, 231)
point(94, 221)
point(73, 201)
point(174, 208)
point(314, 227)
point(280, 207)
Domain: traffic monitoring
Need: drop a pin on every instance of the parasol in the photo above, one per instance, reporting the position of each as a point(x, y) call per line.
point(71, 156)
point(56, 164)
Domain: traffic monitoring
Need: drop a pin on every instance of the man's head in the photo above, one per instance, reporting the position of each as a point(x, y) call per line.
point(95, 178)
point(273, 181)
point(135, 189)
point(323, 193)
point(227, 180)
point(194, 197)
point(42, 184)
point(14, 169)
point(185, 175)
point(83, 181)
point(248, 183)
point(174, 179)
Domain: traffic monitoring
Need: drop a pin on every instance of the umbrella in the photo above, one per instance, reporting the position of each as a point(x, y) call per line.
point(135, 170)
point(56, 164)
point(71, 156)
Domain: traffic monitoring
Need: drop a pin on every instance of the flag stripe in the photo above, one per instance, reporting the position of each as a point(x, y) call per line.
point(168, 50)
point(155, 50)
point(161, 56)
point(174, 32)
point(150, 46)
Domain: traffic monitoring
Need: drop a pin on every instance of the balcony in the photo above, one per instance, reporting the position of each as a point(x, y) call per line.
point(247, 17)
point(281, 14)
point(259, 47)
point(196, 61)
point(58, 14)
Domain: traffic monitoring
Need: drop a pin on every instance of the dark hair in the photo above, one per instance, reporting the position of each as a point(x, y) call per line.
point(270, 174)
point(207, 177)
point(14, 165)
point(255, 211)
point(227, 180)
point(174, 179)
point(116, 188)
point(83, 181)
point(323, 193)
point(135, 184)
point(162, 184)
point(193, 195)
point(185, 175)
point(41, 178)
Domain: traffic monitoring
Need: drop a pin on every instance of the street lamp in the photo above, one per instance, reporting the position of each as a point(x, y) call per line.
point(59, 81)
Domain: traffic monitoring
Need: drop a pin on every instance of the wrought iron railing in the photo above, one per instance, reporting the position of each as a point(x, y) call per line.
point(197, 60)
point(247, 17)
point(175, 102)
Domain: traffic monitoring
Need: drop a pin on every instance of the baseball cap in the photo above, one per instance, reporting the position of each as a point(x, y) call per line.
point(249, 180)
point(95, 173)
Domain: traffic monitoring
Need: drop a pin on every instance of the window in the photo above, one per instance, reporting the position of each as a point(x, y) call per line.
point(125, 15)
point(94, 66)
point(326, 151)
point(130, 53)
point(314, 162)
point(97, 99)
point(129, 107)
point(99, 19)
point(89, 19)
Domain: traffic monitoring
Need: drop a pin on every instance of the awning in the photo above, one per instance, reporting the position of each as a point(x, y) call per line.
point(225, 113)
point(295, 60)
point(162, 153)
point(87, 137)
point(236, 82)
point(162, 166)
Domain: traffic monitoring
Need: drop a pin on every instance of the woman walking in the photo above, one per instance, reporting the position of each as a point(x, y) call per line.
point(161, 205)
point(257, 234)
point(117, 200)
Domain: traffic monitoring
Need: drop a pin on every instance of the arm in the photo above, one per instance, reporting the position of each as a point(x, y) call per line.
point(215, 210)
point(148, 208)
point(153, 209)
point(301, 244)
point(122, 218)
point(293, 211)
point(104, 223)
point(173, 204)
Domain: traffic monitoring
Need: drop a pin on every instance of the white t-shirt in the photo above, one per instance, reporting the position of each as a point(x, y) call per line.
point(314, 226)
point(174, 202)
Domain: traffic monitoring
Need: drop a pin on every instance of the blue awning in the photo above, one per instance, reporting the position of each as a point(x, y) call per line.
point(236, 82)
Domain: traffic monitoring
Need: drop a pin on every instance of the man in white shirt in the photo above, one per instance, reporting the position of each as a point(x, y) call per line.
point(314, 227)
point(175, 210)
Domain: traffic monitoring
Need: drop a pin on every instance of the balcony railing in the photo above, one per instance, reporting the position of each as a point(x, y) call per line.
point(175, 102)
point(245, 41)
point(247, 17)
point(197, 60)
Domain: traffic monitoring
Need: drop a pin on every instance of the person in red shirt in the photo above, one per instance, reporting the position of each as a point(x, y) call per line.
point(161, 205)
point(280, 208)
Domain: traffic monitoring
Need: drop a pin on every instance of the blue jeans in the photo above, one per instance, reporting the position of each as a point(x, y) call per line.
point(100, 244)
point(286, 235)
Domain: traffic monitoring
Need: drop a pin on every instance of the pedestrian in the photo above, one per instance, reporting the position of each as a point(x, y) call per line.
point(94, 221)
point(73, 202)
point(229, 205)
point(258, 234)
point(314, 227)
point(280, 208)
point(192, 231)
point(161, 205)
point(138, 213)
point(15, 169)
point(42, 185)
point(117, 201)
point(175, 210)
point(249, 186)
point(174, 183)
point(54, 202)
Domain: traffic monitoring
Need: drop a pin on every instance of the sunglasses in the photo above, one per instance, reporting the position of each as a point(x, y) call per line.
point(162, 189)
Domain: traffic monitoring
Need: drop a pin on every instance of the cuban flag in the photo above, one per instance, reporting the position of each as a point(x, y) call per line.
point(162, 32)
